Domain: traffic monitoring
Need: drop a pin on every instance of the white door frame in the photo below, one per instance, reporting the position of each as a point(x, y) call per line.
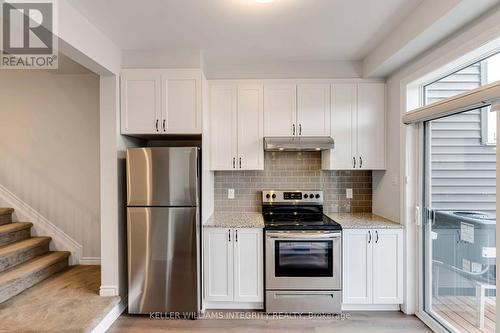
point(413, 158)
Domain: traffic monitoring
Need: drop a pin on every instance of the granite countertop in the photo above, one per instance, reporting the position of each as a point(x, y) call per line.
point(235, 220)
point(363, 221)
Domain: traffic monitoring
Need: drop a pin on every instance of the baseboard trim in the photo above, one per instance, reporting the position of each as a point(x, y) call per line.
point(90, 261)
point(111, 317)
point(108, 291)
point(42, 226)
point(233, 305)
point(371, 307)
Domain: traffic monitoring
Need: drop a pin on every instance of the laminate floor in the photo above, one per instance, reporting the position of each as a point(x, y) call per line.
point(354, 322)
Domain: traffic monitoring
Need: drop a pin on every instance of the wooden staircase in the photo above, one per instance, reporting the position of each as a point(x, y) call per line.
point(24, 260)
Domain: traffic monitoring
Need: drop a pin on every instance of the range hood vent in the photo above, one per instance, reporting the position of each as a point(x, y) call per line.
point(301, 143)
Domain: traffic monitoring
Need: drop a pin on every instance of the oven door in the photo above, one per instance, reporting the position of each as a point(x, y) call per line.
point(303, 260)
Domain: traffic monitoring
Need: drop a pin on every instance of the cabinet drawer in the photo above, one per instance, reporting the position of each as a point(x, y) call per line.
point(304, 301)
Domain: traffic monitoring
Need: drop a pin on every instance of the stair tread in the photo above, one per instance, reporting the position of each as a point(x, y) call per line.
point(31, 266)
point(6, 210)
point(14, 226)
point(23, 245)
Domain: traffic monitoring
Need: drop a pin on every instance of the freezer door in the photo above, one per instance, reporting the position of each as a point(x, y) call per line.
point(163, 260)
point(162, 176)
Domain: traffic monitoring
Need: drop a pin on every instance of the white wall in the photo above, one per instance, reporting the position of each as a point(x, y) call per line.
point(49, 148)
point(113, 148)
point(225, 69)
point(179, 58)
point(84, 43)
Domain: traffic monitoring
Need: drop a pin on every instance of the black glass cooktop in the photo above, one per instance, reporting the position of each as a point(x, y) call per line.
point(300, 222)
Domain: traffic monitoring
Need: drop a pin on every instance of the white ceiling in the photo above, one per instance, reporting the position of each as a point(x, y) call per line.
point(243, 30)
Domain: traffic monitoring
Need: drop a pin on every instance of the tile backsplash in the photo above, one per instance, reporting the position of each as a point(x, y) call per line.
point(293, 170)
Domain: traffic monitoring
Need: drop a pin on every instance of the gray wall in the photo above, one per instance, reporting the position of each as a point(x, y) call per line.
point(49, 148)
point(291, 170)
point(463, 169)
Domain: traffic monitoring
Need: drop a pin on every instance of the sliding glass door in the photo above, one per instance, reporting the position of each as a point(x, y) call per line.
point(459, 222)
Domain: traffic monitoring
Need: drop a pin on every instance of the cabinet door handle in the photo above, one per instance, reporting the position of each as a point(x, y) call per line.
point(234, 162)
point(164, 129)
point(369, 236)
point(236, 237)
point(293, 129)
point(360, 162)
point(354, 162)
point(376, 233)
point(229, 234)
point(157, 125)
point(240, 162)
point(300, 129)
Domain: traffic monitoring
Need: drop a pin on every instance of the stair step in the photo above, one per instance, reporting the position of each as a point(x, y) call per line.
point(29, 273)
point(6, 215)
point(16, 253)
point(15, 231)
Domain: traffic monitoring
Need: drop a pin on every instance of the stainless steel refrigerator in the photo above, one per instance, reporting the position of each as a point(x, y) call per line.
point(163, 229)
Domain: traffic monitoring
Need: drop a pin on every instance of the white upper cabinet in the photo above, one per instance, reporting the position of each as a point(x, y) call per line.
point(357, 127)
point(371, 126)
point(223, 129)
point(140, 102)
point(343, 112)
point(181, 105)
point(313, 109)
point(250, 127)
point(236, 126)
point(280, 110)
point(296, 109)
point(155, 101)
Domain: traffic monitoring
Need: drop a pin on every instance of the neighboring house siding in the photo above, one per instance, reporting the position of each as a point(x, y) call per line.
point(463, 170)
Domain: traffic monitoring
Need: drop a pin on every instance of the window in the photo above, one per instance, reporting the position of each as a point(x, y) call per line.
point(471, 77)
point(459, 244)
point(459, 199)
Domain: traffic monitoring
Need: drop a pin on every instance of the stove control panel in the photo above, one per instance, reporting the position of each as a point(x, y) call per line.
point(305, 197)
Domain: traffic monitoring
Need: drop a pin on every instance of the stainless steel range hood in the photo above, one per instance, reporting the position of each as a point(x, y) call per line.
point(301, 143)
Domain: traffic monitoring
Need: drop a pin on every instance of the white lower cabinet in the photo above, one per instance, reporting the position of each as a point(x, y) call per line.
point(357, 267)
point(372, 266)
point(233, 267)
point(218, 264)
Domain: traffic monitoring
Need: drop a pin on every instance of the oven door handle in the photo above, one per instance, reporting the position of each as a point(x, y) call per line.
point(301, 236)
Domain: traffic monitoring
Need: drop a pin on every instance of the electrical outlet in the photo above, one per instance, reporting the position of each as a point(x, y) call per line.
point(230, 193)
point(348, 193)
